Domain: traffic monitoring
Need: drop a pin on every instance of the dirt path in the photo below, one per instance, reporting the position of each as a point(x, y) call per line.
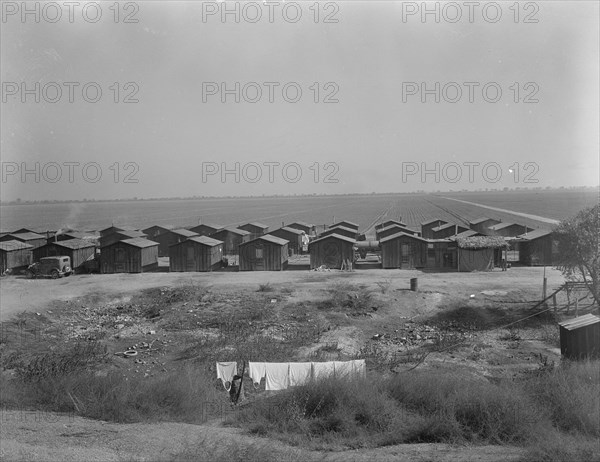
point(60, 437)
point(521, 214)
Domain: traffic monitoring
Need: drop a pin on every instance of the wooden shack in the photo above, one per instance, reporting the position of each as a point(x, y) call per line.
point(505, 229)
point(157, 230)
point(580, 337)
point(255, 229)
point(120, 235)
point(14, 255)
point(33, 239)
point(479, 253)
point(114, 228)
point(404, 251)
point(331, 251)
point(394, 229)
point(302, 226)
point(340, 230)
point(446, 230)
point(292, 235)
point(536, 248)
point(167, 237)
point(346, 224)
point(265, 253)
point(135, 255)
point(79, 250)
point(441, 255)
point(231, 239)
point(427, 226)
point(387, 223)
point(198, 253)
point(206, 229)
point(482, 224)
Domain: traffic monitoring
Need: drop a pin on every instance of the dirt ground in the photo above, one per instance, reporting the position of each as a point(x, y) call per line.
point(398, 323)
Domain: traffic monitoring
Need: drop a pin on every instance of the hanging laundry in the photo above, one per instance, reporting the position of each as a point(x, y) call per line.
point(300, 374)
point(277, 376)
point(323, 370)
point(360, 368)
point(256, 371)
point(225, 372)
point(344, 369)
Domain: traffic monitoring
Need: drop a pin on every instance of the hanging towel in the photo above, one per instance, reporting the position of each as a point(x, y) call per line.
point(277, 376)
point(360, 368)
point(344, 369)
point(256, 371)
point(299, 373)
point(225, 372)
point(323, 370)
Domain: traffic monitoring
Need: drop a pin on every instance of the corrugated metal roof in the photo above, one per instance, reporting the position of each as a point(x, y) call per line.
point(535, 234)
point(268, 238)
point(204, 240)
point(137, 242)
point(397, 235)
point(334, 236)
point(581, 321)
point(9, 246)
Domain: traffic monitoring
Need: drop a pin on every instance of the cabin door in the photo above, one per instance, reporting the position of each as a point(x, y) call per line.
point(119, 260)
point(259, 258)
point(190, 261)
point(408, 258)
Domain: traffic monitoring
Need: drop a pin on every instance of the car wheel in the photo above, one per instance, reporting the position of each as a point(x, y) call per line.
point(55, 274)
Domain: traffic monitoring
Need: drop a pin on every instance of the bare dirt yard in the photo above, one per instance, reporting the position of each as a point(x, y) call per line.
point(477, 325)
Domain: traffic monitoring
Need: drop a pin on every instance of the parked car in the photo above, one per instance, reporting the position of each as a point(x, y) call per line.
point(53, 267)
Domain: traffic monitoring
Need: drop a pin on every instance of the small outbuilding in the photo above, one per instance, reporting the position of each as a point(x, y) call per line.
point(427, 226)
point(135, 255)
point(482, 224)
point(33, 239)
point(479, 253)
point(265, 253)
point(340, 230)
point(580, 337)
point(404, 251)
point(206, 229)
point(441, 254)
point(331, 251)
point(255, 229)
point(536, 248)
point(231, 239)
point(115, 236)
point(198, 253)
point(114, 228)
point(79, 250)
point(168, 237)
point(14, 255)
point(292, 235)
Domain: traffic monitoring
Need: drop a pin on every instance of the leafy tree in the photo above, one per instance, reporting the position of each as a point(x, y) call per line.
point(579, 250)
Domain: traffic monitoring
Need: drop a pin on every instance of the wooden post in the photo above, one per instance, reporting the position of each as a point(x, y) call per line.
point(554, 303)
point(545, 288)
point(568, 298)
point(576, 306)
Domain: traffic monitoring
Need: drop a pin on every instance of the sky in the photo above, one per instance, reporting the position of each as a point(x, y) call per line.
point(378, 98)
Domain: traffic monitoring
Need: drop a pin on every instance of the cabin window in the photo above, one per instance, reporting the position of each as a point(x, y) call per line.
point(259, 253)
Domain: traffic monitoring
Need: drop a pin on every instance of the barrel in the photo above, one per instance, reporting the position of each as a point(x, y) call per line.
point(414, 284)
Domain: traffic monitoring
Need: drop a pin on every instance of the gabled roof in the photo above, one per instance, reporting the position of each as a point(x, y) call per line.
point(74, 244)
point(119, 228)
point(400, 234)
point(355, 225)
point(256, 224)
point(476, 221)
point(581, 321)
point(428, 222)
point(535, 234)
point(392, 226)
point(289, 230)
point(26, 236)
point(343, 228)
point(129, 233)
point(183, 232)
point(239, 232)
point(209, 225)
point(165, 227)
point(387, 223)
point(139, 242)
point(268, 238)
point(204, 240)
point(444, 226)
point(301, 223)
point(334, 236)
point(9, 246)
point(23, 230)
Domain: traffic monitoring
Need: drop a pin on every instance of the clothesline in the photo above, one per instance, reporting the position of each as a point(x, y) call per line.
point(280, 376)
